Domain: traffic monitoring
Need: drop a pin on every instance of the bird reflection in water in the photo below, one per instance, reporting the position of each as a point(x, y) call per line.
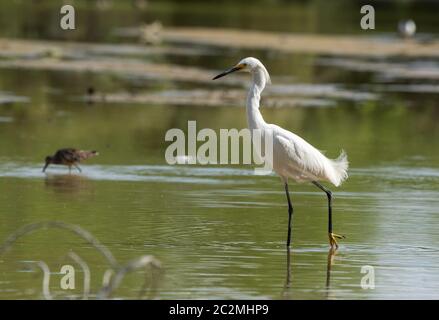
point(331, 254)
point(286, 292)
point(66, 183)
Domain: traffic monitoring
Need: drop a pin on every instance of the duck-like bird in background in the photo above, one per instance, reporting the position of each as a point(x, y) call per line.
point(69, 157)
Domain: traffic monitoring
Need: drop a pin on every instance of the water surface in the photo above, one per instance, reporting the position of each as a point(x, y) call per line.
point(220, 231)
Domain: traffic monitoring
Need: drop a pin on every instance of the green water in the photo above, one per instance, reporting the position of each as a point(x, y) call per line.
point(220, 231)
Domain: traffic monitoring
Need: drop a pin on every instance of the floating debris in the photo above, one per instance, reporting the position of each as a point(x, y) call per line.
point(241, 39)
point(140, 4)
point(412, 88)
point(37, 49)
point(6, 98)
point(406, 28)
point(151, 33)
point(6, 119)
point(233, 97)
point(307, 43)
point(115, 66)
point(391, 70)
point(332, 91)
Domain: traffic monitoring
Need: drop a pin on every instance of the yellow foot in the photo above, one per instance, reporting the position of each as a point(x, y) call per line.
point(333, 239)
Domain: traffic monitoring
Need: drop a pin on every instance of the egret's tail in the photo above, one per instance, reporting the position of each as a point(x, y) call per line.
point(340, 166)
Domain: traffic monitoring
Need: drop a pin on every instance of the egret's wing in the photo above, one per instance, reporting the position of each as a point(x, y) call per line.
point(301, 155)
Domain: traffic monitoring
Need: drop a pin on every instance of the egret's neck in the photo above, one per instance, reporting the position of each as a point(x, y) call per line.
point(254, 117)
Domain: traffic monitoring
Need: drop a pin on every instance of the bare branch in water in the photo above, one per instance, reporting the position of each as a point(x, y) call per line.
point(46, 277)
point(150, 281)
point(143, 262)
point(107, 277)
point(112, 277)
point(87, 236)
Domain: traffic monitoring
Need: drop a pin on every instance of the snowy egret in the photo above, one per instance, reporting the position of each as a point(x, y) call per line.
point(293, 157)
point(69, 157)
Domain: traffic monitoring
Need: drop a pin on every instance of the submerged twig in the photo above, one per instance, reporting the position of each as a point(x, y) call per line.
point(87, 236)
point(107, 277)
point(112, 276)
point(133, 265)
point(46, 277)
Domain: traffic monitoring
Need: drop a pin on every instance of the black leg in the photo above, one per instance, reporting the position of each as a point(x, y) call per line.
point(332, 236)
point(290, 215)
point(286, 292)
point(329, 195)
point(77, 167)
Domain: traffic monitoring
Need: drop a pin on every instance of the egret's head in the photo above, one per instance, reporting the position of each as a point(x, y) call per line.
point(248, 64)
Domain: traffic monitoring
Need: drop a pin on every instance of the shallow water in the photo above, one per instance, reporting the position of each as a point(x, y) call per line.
point(220, 231)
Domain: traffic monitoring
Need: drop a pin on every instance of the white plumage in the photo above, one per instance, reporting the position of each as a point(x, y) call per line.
point(293, 157)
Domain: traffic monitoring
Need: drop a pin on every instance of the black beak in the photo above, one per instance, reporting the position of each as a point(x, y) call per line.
point(227, 72)
point(45, 167)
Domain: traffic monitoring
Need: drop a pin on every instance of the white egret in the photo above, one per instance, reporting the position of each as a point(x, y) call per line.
point(293, 157)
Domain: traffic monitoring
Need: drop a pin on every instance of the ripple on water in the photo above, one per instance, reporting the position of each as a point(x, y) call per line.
point(6, 119)
point(146, 173)
point(408, 179)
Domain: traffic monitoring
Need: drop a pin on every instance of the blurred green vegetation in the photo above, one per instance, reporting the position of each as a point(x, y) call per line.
point(96, 20)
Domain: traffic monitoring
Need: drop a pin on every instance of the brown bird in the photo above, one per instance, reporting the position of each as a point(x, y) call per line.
point(69, 157)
